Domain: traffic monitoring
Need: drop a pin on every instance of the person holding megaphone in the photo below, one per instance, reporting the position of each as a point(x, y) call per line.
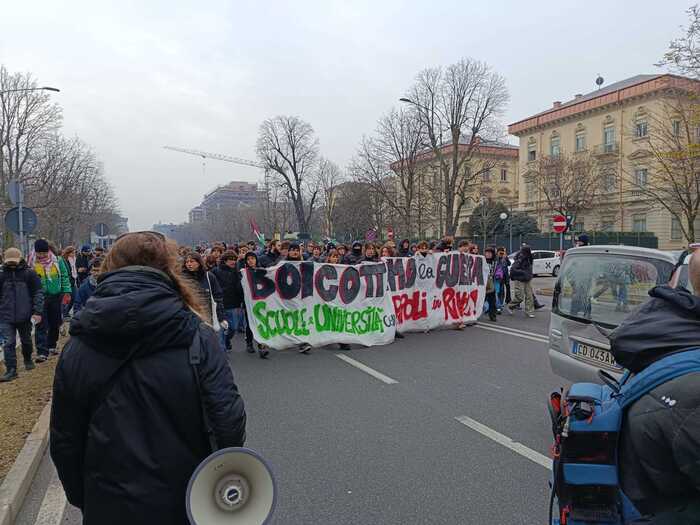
point(133, 414)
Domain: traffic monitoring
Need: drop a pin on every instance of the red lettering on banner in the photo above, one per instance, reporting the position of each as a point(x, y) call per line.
point(459, 304)
point(410, 307)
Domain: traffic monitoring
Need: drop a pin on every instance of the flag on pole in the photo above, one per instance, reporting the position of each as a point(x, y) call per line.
point(256, 232)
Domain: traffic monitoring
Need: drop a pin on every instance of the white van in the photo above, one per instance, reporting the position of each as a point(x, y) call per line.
point(599, 286)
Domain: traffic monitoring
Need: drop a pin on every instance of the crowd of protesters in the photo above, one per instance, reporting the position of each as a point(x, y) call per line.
point(50, 286)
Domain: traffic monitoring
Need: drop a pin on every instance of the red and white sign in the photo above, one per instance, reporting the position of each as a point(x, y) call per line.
point(390, 233)
point(559, 223)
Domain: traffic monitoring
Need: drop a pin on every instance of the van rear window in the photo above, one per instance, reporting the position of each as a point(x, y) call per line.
point(604, 288)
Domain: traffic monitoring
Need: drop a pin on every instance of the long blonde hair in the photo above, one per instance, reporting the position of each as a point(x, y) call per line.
point(150, 249)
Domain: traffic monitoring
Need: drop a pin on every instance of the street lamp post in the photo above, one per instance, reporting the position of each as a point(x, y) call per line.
point(43, 88)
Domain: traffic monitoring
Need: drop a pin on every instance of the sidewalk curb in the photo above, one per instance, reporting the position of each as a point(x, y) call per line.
point(18, 480)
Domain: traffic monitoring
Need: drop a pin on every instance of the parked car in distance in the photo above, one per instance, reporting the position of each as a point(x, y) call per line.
point(598, 287)
point(543, 262)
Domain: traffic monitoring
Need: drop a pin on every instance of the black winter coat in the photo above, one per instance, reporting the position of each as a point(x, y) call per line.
point(125, 451)
point(521, 270)
point(21, 294)
point(230, 282)
point(82, 261)
point(660, 447)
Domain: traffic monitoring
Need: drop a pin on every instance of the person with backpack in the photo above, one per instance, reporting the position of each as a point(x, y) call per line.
point(627, 451)
point(659, 447)
point(127, 417)
point(521, 275)
point(502, 278)
point(21, 305)
point(55, 281)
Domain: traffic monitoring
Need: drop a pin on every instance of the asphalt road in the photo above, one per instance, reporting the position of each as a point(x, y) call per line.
point(349, 448)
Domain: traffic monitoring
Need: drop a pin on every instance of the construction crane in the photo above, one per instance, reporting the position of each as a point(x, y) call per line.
point(216, 156)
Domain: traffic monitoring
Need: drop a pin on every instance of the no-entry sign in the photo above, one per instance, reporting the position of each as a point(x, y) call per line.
point(559, 223)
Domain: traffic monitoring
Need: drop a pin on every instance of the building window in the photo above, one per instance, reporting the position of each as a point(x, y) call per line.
point(676, 232)
point(609, 182)
point(531, 152)
point(607, 224)
point(554, 147)
point(580, 142)
point(640, 177)
point(530, 191)
point(486, 176)
point(640, 129)
point(504, 175)
point(609, 139)
point(676, 128)
point(639, 223)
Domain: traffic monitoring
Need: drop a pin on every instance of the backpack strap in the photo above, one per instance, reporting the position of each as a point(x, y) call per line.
point(195, 358)
point(658, 373)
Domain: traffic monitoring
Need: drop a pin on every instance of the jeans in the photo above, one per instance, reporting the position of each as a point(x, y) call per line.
point(242, 319)
point(491, 302)
point(523, 293)
point(8, 332)
point(227, 335)
point(46, 333)
point(500, 294)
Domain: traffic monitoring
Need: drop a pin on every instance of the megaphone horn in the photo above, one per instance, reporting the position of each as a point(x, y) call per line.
point(231, 486)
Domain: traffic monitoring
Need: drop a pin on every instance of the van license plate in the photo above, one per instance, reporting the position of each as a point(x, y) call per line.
point(593, 354)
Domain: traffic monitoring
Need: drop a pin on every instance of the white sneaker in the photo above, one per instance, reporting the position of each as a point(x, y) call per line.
point(507, 310)
point(531, 315)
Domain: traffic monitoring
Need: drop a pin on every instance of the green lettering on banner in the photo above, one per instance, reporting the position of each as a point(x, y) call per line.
point(261, 317)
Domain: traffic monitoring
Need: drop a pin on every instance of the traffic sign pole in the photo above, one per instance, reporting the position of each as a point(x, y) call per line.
point(20, 202)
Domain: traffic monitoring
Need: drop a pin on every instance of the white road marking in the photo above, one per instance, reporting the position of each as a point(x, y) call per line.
point(53, 506)
point(367, 370)
point(499, 438)
point(511, 329)
point(538, 338)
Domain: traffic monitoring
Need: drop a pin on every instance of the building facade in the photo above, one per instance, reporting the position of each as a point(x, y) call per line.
point(611, 125)
point(228, 196)
point(497, 179)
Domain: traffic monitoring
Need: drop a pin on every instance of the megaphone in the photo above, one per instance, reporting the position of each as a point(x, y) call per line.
point(233, 486)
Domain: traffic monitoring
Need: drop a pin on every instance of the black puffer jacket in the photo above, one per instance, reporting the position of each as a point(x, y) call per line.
point(660, 445)
point(521, 270)
point(125, 451)
point(21, 294)
point(230, 281)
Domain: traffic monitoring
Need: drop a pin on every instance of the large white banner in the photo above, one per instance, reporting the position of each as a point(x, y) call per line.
point(436, 290)
point(319, 304)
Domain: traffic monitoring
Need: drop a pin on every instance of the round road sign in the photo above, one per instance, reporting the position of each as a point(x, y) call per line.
point(559, 223)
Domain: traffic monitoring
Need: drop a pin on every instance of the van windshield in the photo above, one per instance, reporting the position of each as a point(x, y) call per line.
point(604, 288)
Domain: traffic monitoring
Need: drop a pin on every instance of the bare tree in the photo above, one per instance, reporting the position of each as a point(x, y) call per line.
point(388, 163)
point(568, 184)
point(329, 178)
point(356, 213)
point(683, 55)
point(287, 147)
point(27, 121)
point(458, 107)
point(667, 163)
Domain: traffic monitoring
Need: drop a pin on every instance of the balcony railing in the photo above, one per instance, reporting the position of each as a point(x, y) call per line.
point(612, 148)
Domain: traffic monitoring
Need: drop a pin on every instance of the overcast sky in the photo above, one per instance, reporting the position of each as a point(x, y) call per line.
point(137, 75)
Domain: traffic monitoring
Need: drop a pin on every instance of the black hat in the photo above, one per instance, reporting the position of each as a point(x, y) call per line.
point(41, 245)
point(294, 246)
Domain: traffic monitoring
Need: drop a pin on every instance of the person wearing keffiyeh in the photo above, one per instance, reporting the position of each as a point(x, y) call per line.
point(55, 281)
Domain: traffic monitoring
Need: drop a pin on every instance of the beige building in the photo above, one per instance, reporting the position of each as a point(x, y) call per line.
point(498, 181)
point(611, 124)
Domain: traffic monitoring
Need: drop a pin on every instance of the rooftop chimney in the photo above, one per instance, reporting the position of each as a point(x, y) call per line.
point(557, 103)
point(578, 95)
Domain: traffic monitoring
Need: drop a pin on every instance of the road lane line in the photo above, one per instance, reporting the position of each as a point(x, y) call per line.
point(499, 438)
point(511, 329)
point(367, 370)
point(515, 334)
point(53, 506)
